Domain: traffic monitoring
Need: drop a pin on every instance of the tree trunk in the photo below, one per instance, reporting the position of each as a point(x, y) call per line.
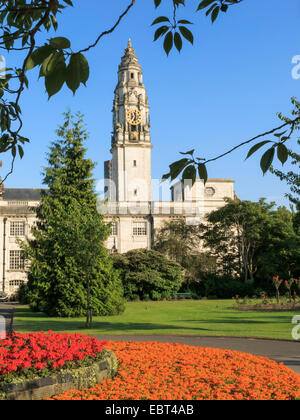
point(88, 324)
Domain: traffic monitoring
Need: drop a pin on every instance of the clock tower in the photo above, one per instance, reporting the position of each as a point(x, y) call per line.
point(130, 167)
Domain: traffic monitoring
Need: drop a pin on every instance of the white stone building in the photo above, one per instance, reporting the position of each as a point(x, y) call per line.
point(128, 186)
point(16, 220)
point(130, 206)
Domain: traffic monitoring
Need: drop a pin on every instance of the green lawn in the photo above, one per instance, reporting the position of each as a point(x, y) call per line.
point(214, 318)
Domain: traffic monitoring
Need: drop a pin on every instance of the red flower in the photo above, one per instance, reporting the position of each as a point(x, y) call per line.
point(20, 352)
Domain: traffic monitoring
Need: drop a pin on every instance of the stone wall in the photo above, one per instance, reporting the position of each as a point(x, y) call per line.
point(85, 377)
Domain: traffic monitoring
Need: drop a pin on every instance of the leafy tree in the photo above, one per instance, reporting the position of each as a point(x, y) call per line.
point(296, 221)
point(253, 241)
point(177, 239)
point(22, 23)
point(181, 242)
point(280, 254)
point(148, 275)
point(71, 273)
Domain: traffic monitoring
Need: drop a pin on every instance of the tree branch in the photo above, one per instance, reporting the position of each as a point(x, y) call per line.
point(9, 173)
point(292, 123)
point(109, 31)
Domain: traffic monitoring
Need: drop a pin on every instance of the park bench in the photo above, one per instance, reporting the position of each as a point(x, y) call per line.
point(183, 295)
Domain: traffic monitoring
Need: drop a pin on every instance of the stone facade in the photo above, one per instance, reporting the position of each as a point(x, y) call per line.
point(16, 219)
point(128, 186)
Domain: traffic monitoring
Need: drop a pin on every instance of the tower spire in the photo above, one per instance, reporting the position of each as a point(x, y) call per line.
point(131, 140)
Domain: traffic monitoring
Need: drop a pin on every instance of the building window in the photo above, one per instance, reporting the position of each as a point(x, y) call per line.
point(135, 193)
point(16, 260)
point(15, 284)
point(18, 203)
point(132, 75)
point(140, 229)
point(114, 229)
point(17, 229)
point(134, 163)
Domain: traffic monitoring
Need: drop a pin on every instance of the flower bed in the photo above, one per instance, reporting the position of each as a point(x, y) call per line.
point(158, 371)
point(31, 356)
point(271, 307)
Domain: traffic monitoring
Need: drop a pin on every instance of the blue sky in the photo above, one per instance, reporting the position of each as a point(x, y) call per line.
point(225, 89)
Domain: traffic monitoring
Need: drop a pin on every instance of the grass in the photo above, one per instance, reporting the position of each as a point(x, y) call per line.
point(209, 318)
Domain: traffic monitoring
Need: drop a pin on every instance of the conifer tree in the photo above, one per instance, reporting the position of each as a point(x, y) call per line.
point(71, 273)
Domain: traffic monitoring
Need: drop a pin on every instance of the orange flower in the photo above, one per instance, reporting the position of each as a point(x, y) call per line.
point(160, 371)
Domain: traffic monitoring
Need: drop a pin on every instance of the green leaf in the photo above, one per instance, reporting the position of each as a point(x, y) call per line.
point(185, 22)
point(178, 41)
point(14, 151)
point(190, 152)
point(280, 134)
point(282, 153)
point(21, 151)
point(204, 4)
point(187, 34)
point(165, 177)
point(256, 147)
point(54, 82)
point(215, 14)
point(160, 20)
point(54, 22)
point(39, 56)
point(211, 9)
point(157, 3)
point(56, 62)
point(168, 42)
point(189, 173)
point(3, 122)
point(202, 172)
point(43, 69)
point(60, 43)
point(76, 72)
point(56, 76)
point(177, 167)
point(84, 68)
point(160, 32)
point(267, 159)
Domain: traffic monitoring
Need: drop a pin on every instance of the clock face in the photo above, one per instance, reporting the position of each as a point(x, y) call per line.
point(134, 117)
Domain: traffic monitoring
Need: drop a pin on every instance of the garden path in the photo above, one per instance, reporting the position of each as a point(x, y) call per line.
point(286, 352)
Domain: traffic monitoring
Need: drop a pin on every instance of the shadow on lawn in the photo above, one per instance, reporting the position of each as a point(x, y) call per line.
point(33, 322)
point(232, 320)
